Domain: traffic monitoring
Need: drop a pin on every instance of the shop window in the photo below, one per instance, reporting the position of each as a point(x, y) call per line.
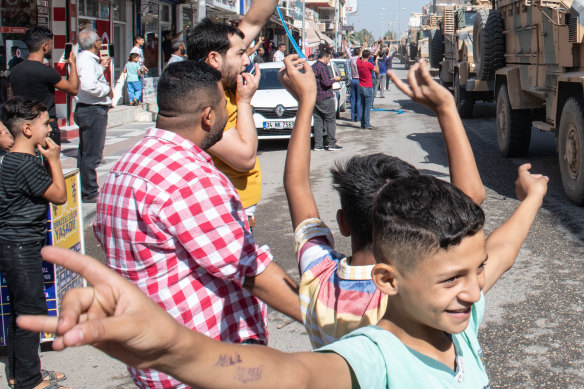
point(95, 9)
point(119, 10)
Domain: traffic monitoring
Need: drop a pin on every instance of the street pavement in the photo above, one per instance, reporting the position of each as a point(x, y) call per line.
point(532, 330)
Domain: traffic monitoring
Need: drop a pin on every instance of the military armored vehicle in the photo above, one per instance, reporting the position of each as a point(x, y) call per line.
point(453, 53)
point(534, 52)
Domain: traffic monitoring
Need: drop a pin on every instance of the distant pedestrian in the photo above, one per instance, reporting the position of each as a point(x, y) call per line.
point(355, 96)
point(169, 41)
point(311, 57)
point(381, 78)
point(132, 69)
point(259, 58)
point(388, 66)
point(138, 49)
point(25, 192)
point(33, 79)
point(280, 54)
point(365, 69)
point(178, 52)
point(93, 103)
point(325, 109)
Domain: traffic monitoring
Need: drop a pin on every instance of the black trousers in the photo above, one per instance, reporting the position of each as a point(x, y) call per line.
point(92, 122)
point(21, 264)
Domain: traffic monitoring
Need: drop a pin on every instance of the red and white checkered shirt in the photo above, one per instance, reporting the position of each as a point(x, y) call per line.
point(173, 224)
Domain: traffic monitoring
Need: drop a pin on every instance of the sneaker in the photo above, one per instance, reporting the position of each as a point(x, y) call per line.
point(368, 128)
point(335, 148)
point(319, 149)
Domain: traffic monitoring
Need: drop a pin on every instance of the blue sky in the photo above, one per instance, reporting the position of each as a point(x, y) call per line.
point(375, 15)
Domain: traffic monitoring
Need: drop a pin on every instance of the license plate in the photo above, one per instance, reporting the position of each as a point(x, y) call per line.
point(287, 124)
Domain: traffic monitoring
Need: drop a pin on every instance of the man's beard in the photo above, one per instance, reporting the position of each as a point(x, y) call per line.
point(49, 54)
point(215, 134)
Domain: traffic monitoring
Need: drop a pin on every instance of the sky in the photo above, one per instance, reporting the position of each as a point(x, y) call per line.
point(376, 15)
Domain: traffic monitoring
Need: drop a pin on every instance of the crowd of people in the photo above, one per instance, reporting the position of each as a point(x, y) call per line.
point(183, 296)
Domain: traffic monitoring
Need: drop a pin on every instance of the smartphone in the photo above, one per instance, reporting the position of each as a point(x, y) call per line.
point(68, 49)
point(111, 51)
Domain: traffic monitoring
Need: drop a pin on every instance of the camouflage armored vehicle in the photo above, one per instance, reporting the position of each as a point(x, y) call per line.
point(453, 52)
point(534, 52)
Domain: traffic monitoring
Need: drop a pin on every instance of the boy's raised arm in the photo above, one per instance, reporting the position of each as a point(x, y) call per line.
point(116, 317)
point(504, 243)
point(297, 170)
point(423, 89)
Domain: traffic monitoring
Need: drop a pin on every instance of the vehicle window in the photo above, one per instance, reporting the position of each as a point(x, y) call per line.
point(341, 66)
point(269, 79)
point(469, 17)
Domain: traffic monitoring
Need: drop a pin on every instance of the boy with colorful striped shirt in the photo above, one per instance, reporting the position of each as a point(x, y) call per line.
point(337, 294)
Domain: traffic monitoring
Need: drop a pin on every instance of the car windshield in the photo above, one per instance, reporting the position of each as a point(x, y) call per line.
point(269, 79)
point(341, 66)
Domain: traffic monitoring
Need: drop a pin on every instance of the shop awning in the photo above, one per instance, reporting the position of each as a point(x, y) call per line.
point(325, 38)
point(312, 38)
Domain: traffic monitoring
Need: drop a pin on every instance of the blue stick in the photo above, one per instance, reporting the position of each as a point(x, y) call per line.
point(296, 47)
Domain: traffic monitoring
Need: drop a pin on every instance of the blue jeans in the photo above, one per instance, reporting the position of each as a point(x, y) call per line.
point(355, 100)
point(92, 122)
point(135, 91)
point(21, 264)
point(366, 94)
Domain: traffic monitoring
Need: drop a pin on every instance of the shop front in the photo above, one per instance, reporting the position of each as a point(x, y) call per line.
point(15, 17)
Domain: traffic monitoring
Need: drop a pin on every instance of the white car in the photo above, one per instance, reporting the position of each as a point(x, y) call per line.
point(340, 87)
point(344, 66)
point(274, 108)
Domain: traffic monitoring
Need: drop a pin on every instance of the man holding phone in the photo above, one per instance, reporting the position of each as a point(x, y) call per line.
point(33, 79)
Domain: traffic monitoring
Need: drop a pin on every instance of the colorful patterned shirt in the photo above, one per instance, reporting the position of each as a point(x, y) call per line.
point(173, 224)
point(335, 297)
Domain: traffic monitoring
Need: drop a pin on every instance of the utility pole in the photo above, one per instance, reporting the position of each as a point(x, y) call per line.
point(336, 23)
point(304, 26)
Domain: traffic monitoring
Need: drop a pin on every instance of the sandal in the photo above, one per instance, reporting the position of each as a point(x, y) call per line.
point(53, 385)
point(51, 376)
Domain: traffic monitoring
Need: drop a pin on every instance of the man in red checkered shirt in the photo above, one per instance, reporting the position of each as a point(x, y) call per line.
point(173, 224)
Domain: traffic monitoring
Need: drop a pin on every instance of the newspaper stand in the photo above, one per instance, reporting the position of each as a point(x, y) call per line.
point(64, 229)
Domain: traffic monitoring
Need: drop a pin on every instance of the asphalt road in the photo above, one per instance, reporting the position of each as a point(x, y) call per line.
point(532, 331)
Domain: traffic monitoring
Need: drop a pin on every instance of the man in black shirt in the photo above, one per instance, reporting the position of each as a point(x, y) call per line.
point(15, 60)
point(32, 79)
point(169, 39)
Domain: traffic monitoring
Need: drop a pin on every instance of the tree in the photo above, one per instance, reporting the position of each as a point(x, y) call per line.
point(359, 37)
point(389, 35)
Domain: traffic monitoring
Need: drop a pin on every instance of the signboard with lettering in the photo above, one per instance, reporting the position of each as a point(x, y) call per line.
point(65, 229)
point(351, 6)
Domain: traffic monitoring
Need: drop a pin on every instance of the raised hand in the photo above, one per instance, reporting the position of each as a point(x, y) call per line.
point(300, 84)
point(113, 315)
point(423, 88)
point(6, 139)
point(246, 91)
point(529, 184)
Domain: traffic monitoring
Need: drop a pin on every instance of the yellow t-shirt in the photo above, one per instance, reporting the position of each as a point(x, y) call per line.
point(248, 184)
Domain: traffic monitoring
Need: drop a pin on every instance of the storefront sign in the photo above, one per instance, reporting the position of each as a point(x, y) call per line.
point(149, 90)
point(348, 28)
point(43, 13)
point(13, 30)
point(351, 6)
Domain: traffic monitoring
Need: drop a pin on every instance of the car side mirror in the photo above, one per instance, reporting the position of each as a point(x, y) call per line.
point(336, 85)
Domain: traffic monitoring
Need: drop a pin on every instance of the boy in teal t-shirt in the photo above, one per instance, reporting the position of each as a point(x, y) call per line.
point(134, 73)
point(431, 255)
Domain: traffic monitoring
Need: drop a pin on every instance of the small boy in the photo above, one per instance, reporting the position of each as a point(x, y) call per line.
point(26, 188)
point(132, 69)
point(337, 294)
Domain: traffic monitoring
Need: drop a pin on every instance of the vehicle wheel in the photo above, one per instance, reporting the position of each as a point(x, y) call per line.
point(513, 126)
point(571, 150)
point(488, 43)
point(436, 49)
point(463, 100)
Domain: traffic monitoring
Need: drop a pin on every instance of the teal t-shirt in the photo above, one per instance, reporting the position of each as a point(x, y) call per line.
point(380, 360)
point(132, 71)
